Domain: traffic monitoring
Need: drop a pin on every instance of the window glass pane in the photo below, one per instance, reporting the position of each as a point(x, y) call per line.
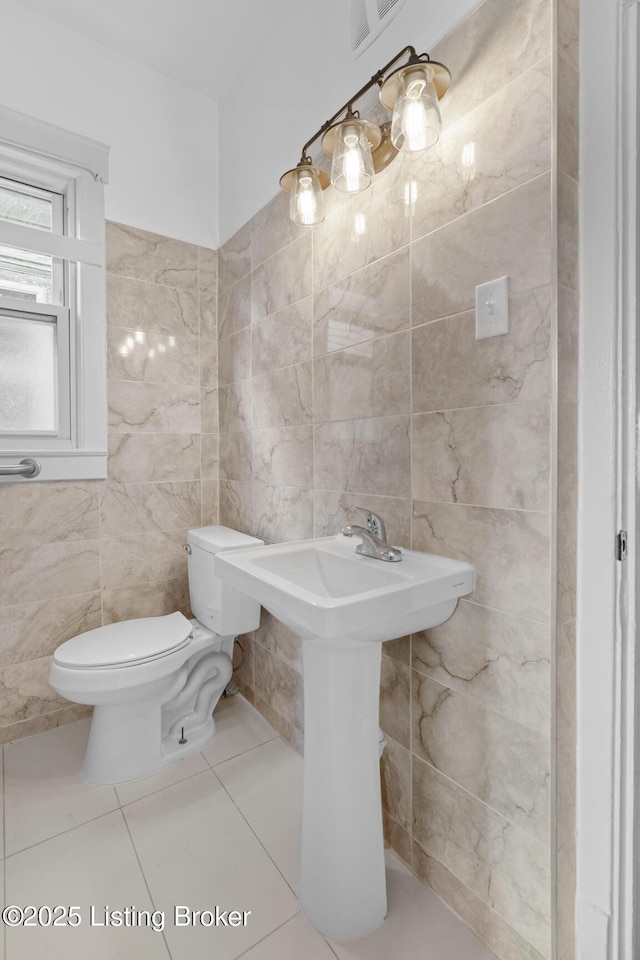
point(26, 209)
point(25, 275)
point(30, 276)
point(28, 375)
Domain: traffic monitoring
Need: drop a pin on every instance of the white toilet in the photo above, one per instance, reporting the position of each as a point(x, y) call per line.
point(155, 681)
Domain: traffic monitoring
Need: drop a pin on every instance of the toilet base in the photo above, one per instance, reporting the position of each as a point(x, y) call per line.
point(135, 739)
point(113, 756)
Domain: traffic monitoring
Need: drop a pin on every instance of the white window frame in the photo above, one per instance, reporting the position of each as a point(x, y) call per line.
point(44, 156)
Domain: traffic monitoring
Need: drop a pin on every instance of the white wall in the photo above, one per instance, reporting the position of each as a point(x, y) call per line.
point(291, 84)
point(163, 171)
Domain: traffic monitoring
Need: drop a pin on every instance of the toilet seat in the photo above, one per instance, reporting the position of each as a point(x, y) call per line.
point(125, 644)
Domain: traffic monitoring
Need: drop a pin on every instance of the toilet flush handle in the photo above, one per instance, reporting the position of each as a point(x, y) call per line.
point(187, 548)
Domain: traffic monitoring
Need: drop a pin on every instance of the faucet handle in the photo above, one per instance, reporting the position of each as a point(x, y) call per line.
point(375, 524)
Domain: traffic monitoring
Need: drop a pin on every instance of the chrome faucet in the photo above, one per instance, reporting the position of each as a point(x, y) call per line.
point(374, 539)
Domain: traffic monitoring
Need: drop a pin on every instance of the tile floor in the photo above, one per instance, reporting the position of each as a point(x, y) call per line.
point(219, 828)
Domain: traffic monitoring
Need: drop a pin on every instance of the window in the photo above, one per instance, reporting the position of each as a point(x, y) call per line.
point(52, 300)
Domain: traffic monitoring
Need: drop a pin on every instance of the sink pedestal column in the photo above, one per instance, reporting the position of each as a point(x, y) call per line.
point(342, 878)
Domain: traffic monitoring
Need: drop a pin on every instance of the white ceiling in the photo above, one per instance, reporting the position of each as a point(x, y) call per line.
point(200, 43)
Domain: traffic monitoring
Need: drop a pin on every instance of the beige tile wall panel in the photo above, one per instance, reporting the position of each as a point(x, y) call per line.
point(151, 308)
point(283, 455)
point(282, 513)
point(501, 864)
point(494, 658)
point(464, 427)
point(334, 510)
point(395, 774)
point(490, 456)
point(371, 379)
point(282, 338)
point(508, 548)
point(29, 631)
point(466, 422)
point(148, 256)
point(510, 235)
point(501, 144)
point(281, 280)
point(76, 555)
point(568, 345)
point(48, 512)
point(495, 370)
point(140, 457)
point(145, 507)
point(365, 305)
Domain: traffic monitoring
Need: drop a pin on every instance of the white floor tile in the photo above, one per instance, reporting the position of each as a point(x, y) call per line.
point(266, 786)
point(95, 864)
point(239, 727)
point(417, 924)
point(295, 940)
point(44, 792)
point(196, 850)
point(176, 771)
point(199, 844)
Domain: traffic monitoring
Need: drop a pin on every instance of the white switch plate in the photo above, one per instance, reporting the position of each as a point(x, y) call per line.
point(492, 308)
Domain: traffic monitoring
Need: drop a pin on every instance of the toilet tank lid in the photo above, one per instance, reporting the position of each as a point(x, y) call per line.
point(214, 539)
point(126, 642)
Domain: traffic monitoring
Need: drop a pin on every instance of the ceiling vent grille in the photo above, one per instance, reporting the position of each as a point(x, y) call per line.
point(359, 24)
point(368, 19)
point(384, 7)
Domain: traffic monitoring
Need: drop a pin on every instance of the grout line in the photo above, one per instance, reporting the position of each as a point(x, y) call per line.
point(254, 832)
point(242, 753)
point(509, 404)
point(484, 506)
point(483, 206)
point(61, 833)
point(144, 877)
point(152, 793)
point(530, 731)
point(546, 846)
point(152, 283)
point(160, 334)
point(473, 896)
point(510, 613)
point(267, 935)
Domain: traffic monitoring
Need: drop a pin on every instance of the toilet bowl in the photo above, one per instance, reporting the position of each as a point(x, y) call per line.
point(154, 682)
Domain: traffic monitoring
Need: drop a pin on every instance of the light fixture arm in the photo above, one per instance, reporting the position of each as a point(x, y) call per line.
point(361, 148)
point(376, 79)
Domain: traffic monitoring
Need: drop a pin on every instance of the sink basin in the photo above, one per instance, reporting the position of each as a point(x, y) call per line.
point(343, 606)
point(322, 588)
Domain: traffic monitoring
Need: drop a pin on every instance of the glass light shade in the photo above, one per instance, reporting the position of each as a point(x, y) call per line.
point(306, 205)
point(416, 123)
point(352, 167)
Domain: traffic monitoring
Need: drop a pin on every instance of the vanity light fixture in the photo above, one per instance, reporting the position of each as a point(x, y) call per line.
point(360, 148)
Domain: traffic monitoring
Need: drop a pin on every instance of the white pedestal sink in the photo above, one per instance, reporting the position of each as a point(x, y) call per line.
point(343, 606)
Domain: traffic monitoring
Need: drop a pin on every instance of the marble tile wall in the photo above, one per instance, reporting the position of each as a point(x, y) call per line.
point(351, 378)
point(76, 555)
point(567, 173)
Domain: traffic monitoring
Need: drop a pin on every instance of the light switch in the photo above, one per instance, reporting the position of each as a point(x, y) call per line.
point(492, 308)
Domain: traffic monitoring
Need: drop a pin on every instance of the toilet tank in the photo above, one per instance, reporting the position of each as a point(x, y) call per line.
point(216, 605)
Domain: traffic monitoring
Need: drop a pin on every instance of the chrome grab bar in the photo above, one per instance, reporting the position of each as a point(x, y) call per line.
point(27, 468)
